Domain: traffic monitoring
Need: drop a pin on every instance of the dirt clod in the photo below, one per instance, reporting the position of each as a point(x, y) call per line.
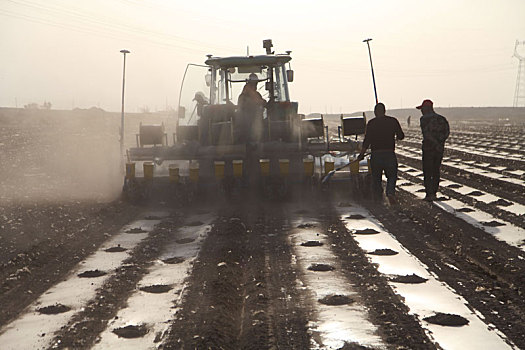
point(312, 244)
point(321, 267)
point(492, 223)
point(336, 300)
point(173, 260)
point(450, 320)
point(116, 249)
point(91, 274)
point(355, 217)
point(131, 331)
point(156, 289)
point(366, 231)
point(412, 279)
point(136, 230)
point(53, 309)
point(384, 251)
point(475, 193)
point(454, 186)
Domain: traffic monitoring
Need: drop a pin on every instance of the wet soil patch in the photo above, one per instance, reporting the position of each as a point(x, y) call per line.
point(131, 331)
point(321, 267)
point(492, 223)
point(156, 289)
point(355, 217)
point(450, 320)
point(115, 249)
point(173, 260)
point(185, 240)
point(336, 299)
point(136, 230)
point(409, 279)
point(194, 223)
point(312, 244)
point(305, 225)
point(383, 251)
point(53, 309)
point(366, 231)
point(92, 274)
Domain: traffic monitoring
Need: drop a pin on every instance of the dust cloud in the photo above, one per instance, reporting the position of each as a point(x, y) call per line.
point(48, 155)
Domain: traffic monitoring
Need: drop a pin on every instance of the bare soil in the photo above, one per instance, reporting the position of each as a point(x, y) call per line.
point(242, 292)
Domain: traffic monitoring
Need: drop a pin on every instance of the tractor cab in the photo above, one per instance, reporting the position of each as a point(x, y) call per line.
point(237, 100)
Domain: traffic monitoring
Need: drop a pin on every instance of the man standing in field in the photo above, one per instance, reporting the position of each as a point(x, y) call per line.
point(435, 131)
point(381, 133)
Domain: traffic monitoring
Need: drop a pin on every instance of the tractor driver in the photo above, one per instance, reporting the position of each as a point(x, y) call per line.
point(251, 106)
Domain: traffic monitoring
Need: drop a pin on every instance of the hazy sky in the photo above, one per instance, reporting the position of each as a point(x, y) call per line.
point(456, 52)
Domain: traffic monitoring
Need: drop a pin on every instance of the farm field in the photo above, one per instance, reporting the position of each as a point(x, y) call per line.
point(79, 268)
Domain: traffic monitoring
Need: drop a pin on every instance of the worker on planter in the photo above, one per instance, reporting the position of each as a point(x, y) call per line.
point(435, 131)
point(381, 133)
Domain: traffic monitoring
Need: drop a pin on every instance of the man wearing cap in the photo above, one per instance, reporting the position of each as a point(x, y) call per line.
point(381, 133)
point(435, 131)
point(251, 106)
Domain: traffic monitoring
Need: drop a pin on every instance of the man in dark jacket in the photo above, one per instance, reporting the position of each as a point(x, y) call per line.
point(435, 131)
point(381, 133)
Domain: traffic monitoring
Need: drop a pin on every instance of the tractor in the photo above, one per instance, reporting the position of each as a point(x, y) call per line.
point(238, 128)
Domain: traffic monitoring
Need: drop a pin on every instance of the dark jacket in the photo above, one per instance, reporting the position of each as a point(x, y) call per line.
point(381, 132)
point(435, 131)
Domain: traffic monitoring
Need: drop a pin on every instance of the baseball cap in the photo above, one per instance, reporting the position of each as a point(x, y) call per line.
point(426, 103)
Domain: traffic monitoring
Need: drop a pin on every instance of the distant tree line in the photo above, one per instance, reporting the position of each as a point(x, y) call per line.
point(33, 105)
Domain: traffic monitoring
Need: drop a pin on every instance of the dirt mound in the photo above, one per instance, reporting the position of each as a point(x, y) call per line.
point(53, 309)
point(321, 267)
point(450, 320)
point(91, 274)
point(131, 331)
point(157, 288)
point(366, 231)
point(136, 230)
point(312, 244)
point(336, 300)
point(384, 251)
point(173, 260)
point(116, 249)
point(412, 279)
